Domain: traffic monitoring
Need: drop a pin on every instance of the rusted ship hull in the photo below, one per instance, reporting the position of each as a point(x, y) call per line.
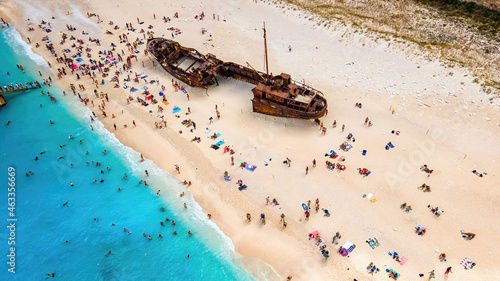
point(185, 63)
point(265, 107)
point(273, 95)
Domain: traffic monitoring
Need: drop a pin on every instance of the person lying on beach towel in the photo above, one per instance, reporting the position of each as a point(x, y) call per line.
point(420, 230)
point(468, 235)
point(365, 172)
point(424, 188)
point(327, 214)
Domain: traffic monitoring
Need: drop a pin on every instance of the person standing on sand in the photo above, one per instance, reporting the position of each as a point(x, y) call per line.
point(448, 270)
point(307, 170)
point(289, 48)
point(249, 217)
point(343, 127)
point(431, 275)
point(314, 163)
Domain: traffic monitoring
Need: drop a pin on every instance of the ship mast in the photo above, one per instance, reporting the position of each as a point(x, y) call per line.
point(265, 49)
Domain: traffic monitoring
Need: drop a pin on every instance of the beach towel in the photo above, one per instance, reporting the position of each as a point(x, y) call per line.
point(390, 145)
point(374, 200)
point(79, 59)
point(161, 94)
point(134, 90)
point(227, 179)
point(364, 152)
point(219, 143)
point(207, 131)
point(184, 91)
point(349, 246)
point(251, 168)
point(346, 145)
point(467, 263)
point(176, 109)
point(136, 51)
point(395, 273)
point(373, 242)
point(402, 260)
point(304, 206)
point(243, 187)
point(145, 87)
point(332, 154)
point(165, 102)
point(313, 234)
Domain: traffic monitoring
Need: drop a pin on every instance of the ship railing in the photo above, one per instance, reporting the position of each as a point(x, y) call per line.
point(307, 87)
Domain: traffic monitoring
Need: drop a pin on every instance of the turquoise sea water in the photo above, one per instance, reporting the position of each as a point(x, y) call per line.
point(44, 224)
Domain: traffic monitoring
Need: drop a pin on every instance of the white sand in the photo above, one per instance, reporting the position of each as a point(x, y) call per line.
point(441, 118)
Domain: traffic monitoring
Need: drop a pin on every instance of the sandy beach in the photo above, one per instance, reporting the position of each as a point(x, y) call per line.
point(433, 115)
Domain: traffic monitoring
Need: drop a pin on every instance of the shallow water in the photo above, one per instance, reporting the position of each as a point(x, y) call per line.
point(44, 224)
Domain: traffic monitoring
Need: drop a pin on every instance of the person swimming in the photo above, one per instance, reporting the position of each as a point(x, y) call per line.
point(109, 253)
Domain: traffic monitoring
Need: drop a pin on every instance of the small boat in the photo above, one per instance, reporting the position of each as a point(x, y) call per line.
point(273, 95)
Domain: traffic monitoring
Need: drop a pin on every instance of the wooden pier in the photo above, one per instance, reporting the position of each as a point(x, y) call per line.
point(4, 102)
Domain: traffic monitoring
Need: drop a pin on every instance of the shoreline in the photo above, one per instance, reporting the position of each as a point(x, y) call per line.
point(278, 247)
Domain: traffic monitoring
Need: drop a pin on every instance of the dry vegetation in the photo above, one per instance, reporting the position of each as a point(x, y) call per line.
point(441, 32)
point(492, 4)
